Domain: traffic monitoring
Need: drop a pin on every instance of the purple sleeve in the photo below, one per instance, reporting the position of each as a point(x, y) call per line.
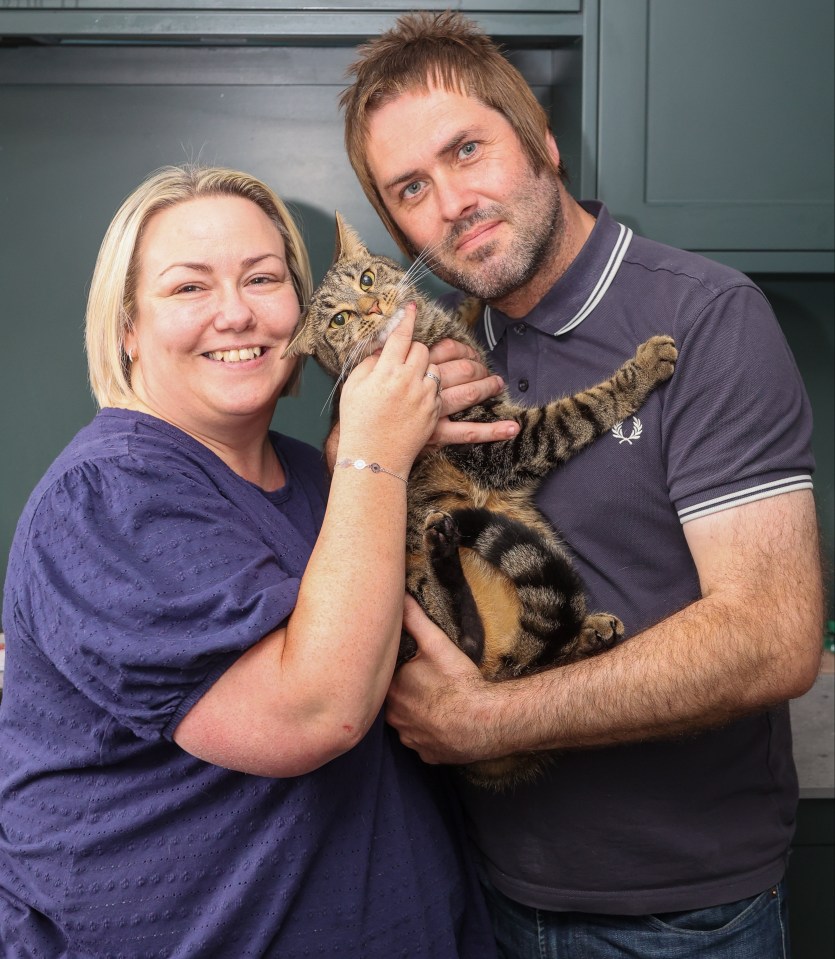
point(738, 422)
point(145, 584)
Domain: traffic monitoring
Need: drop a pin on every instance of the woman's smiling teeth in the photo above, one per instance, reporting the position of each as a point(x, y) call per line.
point(235, 356)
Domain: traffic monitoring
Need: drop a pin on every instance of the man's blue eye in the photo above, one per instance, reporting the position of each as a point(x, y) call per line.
point(468, 149)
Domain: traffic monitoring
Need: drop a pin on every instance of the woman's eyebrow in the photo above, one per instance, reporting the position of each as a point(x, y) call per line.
point(205, 268)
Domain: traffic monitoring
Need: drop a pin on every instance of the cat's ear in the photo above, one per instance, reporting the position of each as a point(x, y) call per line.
point(302, 343)
point(348, 242)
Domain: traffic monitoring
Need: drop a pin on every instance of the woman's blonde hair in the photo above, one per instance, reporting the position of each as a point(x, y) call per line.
point(111, 304)
point(451, 52)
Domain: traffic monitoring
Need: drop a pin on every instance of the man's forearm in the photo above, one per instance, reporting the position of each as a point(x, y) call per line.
point(751, 641)
point(697, 669)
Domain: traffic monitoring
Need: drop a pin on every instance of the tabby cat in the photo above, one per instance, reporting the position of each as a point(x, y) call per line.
point(481, 559)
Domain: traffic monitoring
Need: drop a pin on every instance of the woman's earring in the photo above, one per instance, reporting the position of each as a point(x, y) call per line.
point(130, 355)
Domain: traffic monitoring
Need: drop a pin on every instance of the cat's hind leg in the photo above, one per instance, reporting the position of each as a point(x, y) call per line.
point(442, 539)
point(436, 579)
point(549, 605)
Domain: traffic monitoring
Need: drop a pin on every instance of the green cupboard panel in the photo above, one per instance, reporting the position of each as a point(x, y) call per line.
point(716, 126)
point(269, 21)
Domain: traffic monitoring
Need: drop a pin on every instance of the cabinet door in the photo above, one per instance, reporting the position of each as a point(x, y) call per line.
point(716, 126)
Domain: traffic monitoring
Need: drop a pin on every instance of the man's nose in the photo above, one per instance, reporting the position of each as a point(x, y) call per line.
point(456, 198)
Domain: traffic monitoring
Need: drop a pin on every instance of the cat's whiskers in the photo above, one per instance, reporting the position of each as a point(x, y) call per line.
point(425, 260)
point(329, 398)
point(355, 355)
point(419, 268)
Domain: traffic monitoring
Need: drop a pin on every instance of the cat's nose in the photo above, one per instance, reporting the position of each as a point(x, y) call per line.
point(369, 305)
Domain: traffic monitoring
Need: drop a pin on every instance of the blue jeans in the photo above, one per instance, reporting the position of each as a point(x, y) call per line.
point(755, 928)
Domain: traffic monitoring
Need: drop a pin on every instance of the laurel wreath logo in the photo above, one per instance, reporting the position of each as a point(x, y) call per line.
point(637, 429)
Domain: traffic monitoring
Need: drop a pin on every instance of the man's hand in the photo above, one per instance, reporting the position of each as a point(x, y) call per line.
point(438, 702)
point(465, 381)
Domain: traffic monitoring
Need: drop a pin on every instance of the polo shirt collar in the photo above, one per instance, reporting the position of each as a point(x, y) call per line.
point(580, 289)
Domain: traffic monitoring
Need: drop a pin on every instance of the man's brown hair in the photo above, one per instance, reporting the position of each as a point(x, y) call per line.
point(445, 50)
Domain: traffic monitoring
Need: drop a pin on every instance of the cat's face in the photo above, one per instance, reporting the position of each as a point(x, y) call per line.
point(357, 304)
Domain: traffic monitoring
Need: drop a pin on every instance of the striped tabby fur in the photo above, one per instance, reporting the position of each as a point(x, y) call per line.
point(481, 559)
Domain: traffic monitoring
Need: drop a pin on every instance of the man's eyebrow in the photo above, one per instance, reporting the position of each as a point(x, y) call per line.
point(452, 144)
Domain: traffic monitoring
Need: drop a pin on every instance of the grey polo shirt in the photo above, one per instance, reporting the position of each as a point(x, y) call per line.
point(658, 826)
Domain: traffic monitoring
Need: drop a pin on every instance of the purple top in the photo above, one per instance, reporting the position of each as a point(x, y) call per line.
point(705, 819)
point(141, 569)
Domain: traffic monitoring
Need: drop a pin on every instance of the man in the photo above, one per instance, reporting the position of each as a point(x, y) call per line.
point(662, 826)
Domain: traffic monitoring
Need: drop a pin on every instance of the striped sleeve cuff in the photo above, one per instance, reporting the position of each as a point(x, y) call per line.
point(749, 495)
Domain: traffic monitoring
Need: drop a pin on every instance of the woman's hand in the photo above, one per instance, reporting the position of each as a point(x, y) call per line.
point(391, 402)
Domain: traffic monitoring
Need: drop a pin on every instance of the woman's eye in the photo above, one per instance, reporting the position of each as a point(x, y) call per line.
point(340, 318)
point(187, 288)
point(367, 280)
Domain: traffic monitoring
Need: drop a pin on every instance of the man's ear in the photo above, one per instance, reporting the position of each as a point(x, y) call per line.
point(553, 149)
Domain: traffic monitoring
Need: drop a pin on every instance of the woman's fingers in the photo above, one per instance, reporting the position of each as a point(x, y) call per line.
point(398, 346)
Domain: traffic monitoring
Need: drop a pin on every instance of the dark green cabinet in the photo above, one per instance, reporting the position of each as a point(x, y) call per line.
point(810, 881)
point(715, 127)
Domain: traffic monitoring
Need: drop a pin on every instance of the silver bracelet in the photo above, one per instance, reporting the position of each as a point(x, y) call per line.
point(374, 467)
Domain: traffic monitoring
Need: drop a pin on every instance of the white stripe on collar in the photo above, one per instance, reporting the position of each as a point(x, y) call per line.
point(596, 295)
point(489, 335)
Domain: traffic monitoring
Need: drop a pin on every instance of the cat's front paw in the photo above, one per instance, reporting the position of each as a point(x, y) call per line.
point(441, 535)
point(600, 632)
point(658, 357)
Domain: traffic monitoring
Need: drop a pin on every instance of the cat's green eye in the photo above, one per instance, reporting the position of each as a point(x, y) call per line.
point(367, 280)
point(340, 319)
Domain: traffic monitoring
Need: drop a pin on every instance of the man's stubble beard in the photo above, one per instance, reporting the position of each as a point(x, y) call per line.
point(536, 215)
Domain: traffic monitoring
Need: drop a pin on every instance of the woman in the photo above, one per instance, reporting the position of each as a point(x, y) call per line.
point(200, 634)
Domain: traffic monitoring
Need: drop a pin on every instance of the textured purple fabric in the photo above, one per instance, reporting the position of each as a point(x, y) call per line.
point(142, 567)
point(706, 819)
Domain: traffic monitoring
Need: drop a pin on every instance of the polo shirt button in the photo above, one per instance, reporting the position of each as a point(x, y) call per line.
point(520, 328)
point(523, 386)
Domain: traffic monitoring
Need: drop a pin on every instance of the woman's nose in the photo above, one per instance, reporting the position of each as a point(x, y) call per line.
point(234, 312)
